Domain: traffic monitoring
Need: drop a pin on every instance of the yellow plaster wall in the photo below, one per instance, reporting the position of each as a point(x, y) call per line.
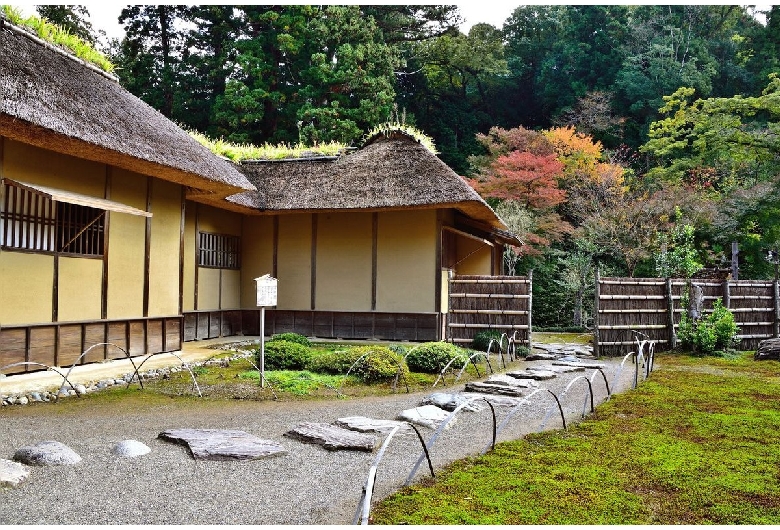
point(257, 255)
point(231, 289)
point(25, 288)
point(218, 221)
point(406, 261)
point(164, 249)
point(475, 255)
point(344, 247)
point(127, 247)
point(190, 240)
point(47, 168)
point(294, 261)
point(208, 288)
point(79, 289)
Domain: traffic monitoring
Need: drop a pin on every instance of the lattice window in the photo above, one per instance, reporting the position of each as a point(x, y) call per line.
point(30, 221)
point(219, 251)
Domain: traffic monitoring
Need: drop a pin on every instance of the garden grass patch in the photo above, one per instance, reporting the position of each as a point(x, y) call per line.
point(697, 443)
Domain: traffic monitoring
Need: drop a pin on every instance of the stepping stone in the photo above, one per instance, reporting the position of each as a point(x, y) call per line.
point(541, 357)
point(332, 437)
point(428, 416)
point(364, 424)
point(488, 388)
point(48, 453)
point(130, 449)
point(505, 379)
point(216, 444)
point(536, 375)
point(450, 402)
point(500, 401)
point(579, 364)
point(556, 369)
point(12, 473)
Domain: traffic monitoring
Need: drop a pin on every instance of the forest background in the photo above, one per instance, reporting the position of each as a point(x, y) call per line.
point(639, 139)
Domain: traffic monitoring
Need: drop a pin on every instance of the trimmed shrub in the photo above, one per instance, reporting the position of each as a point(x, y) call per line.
point(482, 339)
point(284, 355)
point(379, 364)
point(716, 331)
point(292, 337)
point(431, 357)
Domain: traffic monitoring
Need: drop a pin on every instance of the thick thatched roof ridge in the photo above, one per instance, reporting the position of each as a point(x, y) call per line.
point(56, 102)
point(390, 172)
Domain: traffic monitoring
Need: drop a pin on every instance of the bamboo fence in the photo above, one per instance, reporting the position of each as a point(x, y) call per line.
point(653, 307)
point(499, 303)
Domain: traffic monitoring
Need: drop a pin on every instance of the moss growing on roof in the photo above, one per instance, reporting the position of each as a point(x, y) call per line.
point(239, 152)
point(57, 36)
point(387, 129)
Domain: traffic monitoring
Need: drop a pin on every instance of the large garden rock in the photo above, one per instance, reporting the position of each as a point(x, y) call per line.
point(364, 424)
point(216, 444)
point(768, 349)
point(491, 388)
point(555, 369)
point(541, 356)
point(12, 473)
point(48, 453)
point(332, 437)
point(508, 380)
point(536, 375)
point(579, 364)
point(450, 402)
point(428, 416)
point(130, 449)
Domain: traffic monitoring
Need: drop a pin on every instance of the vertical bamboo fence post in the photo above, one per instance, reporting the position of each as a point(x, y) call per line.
point(726, 294)
point(530, 303)
point(596, 351)
point(776, 319)
point(670, 314)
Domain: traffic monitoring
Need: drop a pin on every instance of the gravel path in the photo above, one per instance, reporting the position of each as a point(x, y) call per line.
point(309, 485)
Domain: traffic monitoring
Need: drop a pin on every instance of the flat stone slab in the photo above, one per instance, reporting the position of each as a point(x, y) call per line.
point(508, 380)
point(130, 449)
point(12, 473)
point(490, 388)
point(450, 402)
point(500, 401)
point(541, 357)
point(364, 424)
point(429, 416)
point(536, 375)
point(48, 453)
point(573, 364)
point(556, 369)
point(219, 444)
point(332, 437)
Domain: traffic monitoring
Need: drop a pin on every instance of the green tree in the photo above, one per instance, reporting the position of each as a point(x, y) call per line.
point(677, 257)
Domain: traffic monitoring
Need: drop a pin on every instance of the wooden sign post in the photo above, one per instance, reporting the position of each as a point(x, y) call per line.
point(266, 297)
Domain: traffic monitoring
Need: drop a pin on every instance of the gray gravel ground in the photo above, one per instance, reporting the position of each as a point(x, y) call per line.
point(309, 485)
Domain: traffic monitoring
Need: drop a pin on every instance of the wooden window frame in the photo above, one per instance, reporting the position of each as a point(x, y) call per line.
point(219, 251)
point(31, 222)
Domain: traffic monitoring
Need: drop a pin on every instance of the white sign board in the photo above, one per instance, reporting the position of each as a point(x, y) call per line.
point(266, 291)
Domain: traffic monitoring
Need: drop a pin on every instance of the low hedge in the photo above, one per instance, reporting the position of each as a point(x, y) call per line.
point(292, 337)
point(380, 363)
point(431, 357)
point(284, 355)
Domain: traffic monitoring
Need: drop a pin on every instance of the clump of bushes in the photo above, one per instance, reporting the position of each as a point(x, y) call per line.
point(379, 363)
point(292, 337)
point(716, 331)
point(482, 339)
point(431, 357)
point(284, 355)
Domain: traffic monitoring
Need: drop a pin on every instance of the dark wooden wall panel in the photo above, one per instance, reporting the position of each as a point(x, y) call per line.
point(154, 336)
point(70, 345)
point(117, 334)
point(172, 334)
point(12, 350)
point(137, 338)
point(94, 334)
point(42, 340)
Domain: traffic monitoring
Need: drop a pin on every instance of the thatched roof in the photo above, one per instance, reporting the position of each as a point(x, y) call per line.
point(52, 100)
point(394, 172)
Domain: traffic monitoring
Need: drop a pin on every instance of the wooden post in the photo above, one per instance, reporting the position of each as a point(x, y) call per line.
point(596, 349)
point(530, 303)
point(776, 319)
point(734, 260)
point(726, 294)
point(670, 314)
